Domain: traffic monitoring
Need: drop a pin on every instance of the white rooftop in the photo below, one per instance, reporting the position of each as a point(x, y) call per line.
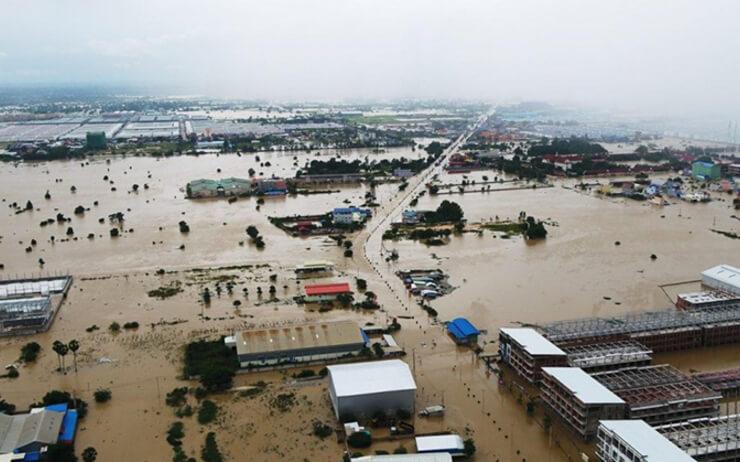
point(439, 443)
point(428, 457)
point(724, 273)
point(371, 377)
point(644, 439)
point(532, 341)
point(583, 386)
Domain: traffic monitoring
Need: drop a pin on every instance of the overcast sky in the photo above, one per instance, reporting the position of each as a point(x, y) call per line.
point(651, 55)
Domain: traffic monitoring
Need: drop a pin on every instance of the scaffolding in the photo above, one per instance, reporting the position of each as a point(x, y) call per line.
point(708, 439)
point(726, 382)
point(595, 357)
point(662, 325)
point(661, 394)
point(24, 313)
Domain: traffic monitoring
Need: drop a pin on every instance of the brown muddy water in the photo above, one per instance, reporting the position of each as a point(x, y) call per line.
point(498, 282)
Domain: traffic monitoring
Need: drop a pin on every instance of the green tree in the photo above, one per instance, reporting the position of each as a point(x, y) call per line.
point(29, 352)
point(469, 448)
point(210, 452)
point(89, 454)
point(60, 453)
point(102, 395)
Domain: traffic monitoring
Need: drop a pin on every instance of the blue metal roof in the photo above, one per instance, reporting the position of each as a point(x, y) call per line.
point(462, 328)
point(69, 425)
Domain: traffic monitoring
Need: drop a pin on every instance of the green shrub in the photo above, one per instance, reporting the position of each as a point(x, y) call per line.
point(102, 395)
point(207, 412)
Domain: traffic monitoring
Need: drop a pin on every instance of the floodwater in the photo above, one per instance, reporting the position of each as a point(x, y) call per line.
point(498, 282)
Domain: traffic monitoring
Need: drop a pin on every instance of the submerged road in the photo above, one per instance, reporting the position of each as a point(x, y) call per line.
point(372, 237)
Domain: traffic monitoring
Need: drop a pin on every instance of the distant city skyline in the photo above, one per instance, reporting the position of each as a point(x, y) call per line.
point(663, 57)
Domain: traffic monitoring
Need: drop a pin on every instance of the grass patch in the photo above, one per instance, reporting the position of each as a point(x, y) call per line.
point(167, 291)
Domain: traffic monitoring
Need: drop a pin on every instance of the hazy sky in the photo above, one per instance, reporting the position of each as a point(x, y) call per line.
point(660, 55)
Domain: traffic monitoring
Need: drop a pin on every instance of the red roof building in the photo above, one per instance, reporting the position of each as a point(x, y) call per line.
point(319, 292)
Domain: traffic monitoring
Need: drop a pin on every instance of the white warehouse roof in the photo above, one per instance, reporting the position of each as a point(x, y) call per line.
point(439, 443)
point(583, 386)
point(428, 457)
point(644, 439)
point(532, 341)
point(724, 273)
point(371, 377)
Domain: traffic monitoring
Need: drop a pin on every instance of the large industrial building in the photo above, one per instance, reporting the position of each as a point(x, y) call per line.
point(714, 439)
point(596, 357)
point(297, 344)
point(722, 277)
point(726, 382)
point(360, 391)
point(661, 394)
point(579, 400)
point(31, 433)
point(527, 352)
point(661, 331)
point(635, 440)
point(29, 305)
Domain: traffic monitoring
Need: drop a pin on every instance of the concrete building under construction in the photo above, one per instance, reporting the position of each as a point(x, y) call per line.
point(715, 439)
point(726, 382)
point(661, 331)
point(661, 394)
point(579, 400)
point(596, 357)
point(527, 352)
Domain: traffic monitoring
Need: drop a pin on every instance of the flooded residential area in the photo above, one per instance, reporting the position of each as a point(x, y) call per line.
point(241, 273)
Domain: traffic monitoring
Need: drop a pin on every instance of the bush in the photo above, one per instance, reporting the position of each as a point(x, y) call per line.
point(361, 284)
point(322, 430)
point(29, 352)
point(210, 452)
point(102, 395)
point(207, 412)
point(177, 397)
point(360, 440)
point(131, 325)
point(114, 327)
point(469, 449)
point(305, 373)
point(348, 253)
point(175, 434)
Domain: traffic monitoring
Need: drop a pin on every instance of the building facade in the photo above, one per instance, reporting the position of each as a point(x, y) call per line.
point(579, 400)
point(635, 440)
point(527, 352)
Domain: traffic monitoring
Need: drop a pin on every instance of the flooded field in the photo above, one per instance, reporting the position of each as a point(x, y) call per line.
point(577, 271)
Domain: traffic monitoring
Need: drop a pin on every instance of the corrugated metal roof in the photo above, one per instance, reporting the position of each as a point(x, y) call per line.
point(21, 430)
point(327, 289)
point(583, 386)
point(645, 440)
point(371, 377)
point(298, 337)
point(532, 341)
point(462, 328)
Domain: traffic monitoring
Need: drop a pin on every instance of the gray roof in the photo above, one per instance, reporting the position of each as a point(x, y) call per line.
point(17, 431)
point(583, 386)
point(645, 440)
point(532, 341)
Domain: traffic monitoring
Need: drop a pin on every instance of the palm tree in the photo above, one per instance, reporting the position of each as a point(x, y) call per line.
point(63, 350)
point(74, 345)
point(57, 347)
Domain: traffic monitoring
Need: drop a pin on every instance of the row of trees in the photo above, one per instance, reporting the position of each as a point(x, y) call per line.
point(61, 349)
